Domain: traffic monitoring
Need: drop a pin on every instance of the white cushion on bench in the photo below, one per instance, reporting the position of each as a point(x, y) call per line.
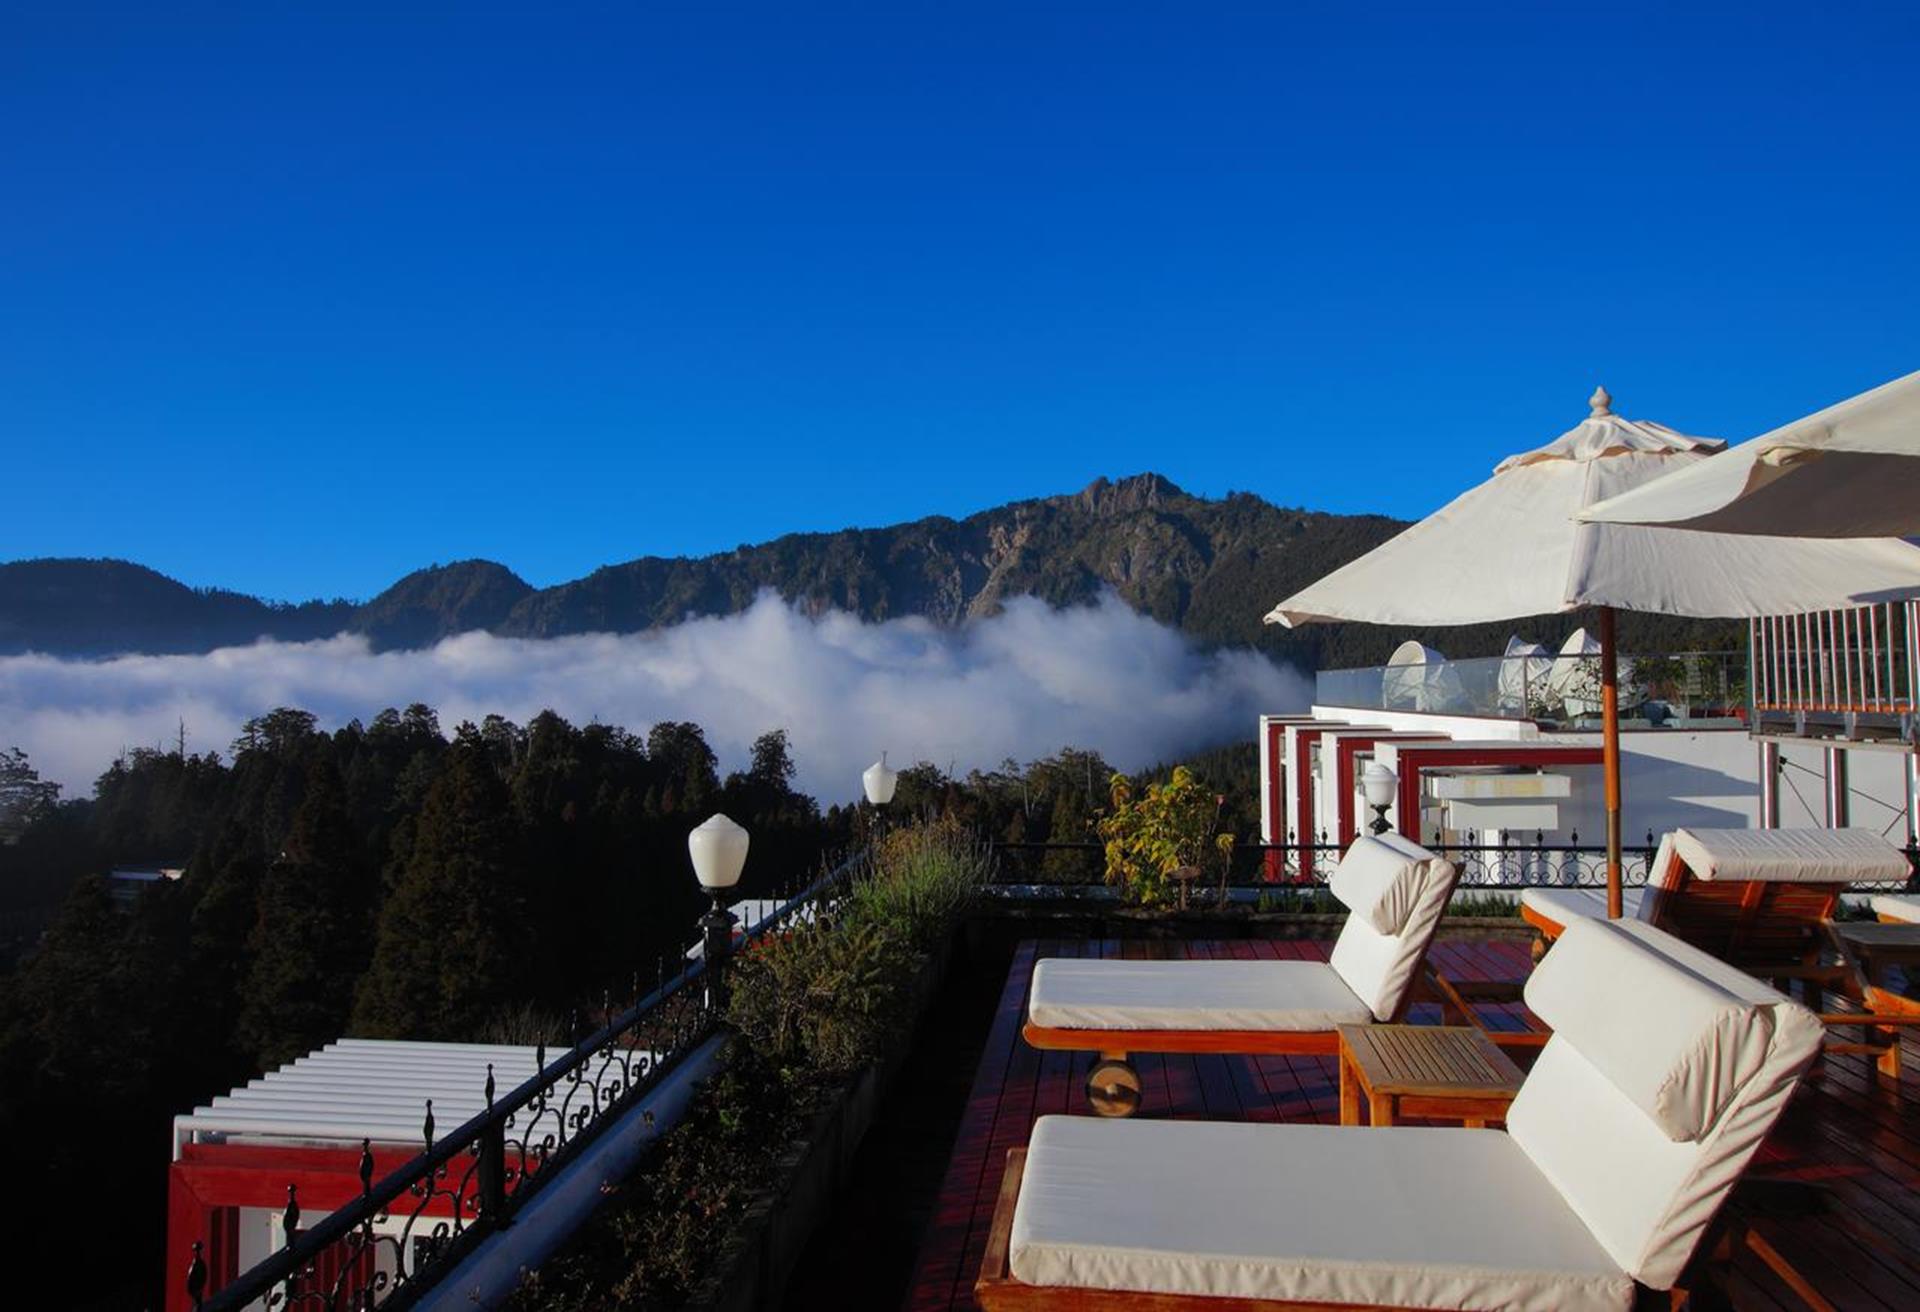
point(1677, 1044)
point(1400, 1217)
point(1379, 879)
point(1562, 906)
point(1074, 994)
point(1897, 906)
point(1645, 1195)
point(1809, 856)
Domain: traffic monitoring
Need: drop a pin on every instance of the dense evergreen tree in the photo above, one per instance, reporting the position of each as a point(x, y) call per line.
point(452, 944)
point(24, 796)
point(312, 935)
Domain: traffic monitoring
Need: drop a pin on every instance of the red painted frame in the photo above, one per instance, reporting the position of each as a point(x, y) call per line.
point(210, 1182)
point(1414, 759)
point(1303, 741)
point(1276, 754)
point(1346, 752)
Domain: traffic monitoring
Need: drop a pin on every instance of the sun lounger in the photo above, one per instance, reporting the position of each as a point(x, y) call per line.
point(1762, 900)
point(1395, 891)
point(1665, 1071)
point(1897, 908)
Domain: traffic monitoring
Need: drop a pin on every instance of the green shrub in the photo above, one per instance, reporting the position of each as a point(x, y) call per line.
point(1155, 835)
point(823, 999)
point(919, 882)
point(810, 1006)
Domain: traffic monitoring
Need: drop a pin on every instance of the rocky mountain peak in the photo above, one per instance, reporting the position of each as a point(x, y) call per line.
point(1147, 491)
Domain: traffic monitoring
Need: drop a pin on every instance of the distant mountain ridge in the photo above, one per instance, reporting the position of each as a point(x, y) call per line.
point(1211, 567)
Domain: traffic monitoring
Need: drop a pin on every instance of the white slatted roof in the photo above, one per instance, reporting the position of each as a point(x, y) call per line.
point(354, 1089)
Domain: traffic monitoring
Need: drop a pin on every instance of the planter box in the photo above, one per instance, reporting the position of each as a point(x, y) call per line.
point(756, 1259)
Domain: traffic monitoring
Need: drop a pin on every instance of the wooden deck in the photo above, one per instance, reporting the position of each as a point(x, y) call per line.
point(1849, 1134)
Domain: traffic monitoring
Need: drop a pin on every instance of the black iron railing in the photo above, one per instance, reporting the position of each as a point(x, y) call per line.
point(1536, 864)
point(405, 1232)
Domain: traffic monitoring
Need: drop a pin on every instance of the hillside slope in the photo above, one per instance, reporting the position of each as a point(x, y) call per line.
point(1211, 567)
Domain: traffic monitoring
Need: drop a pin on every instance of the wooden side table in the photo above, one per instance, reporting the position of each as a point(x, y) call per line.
point(1453, 1072)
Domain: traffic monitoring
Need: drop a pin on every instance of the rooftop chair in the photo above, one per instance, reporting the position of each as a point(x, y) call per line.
point(1665, 1071)
point(1762, 900)
point(1896, 908)
point(1395, 891)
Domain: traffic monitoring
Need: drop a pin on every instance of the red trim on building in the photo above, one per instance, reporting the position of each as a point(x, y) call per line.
point(1346, 751)
point(210, 1182)
point(1414, 759)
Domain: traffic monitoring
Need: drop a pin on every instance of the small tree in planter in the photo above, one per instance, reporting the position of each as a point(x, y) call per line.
point(1163, 839)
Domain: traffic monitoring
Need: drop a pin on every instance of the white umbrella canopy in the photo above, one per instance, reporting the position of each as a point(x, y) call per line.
point(1511, 547)
point(1851, 470)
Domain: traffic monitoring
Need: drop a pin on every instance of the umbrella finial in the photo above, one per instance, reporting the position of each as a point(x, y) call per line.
point(1601, 401)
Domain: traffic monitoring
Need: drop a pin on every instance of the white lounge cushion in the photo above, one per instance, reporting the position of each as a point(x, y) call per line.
point(1379, 879)
point(1400, 1217)
point(1565, 905)
point(1070, 993)
point(1380, 968)
point(1646, 1196)
point(1812, 856)
point(1675, 1043)
point(1897, 906)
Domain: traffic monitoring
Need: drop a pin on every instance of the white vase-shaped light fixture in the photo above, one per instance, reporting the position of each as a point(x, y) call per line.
point(719, 852)
point(1378, 785)
point(880, 781)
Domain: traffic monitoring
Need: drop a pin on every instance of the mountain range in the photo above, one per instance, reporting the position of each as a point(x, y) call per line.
point(1209, 566)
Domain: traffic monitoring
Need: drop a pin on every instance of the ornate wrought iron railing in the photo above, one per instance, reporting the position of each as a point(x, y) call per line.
point(1271, 865)
point(406, 1231)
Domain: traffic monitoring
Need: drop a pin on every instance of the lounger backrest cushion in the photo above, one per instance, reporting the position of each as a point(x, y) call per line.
point(1380, 968)
point(1676, 1044)
point(1665, 1071)
point(1797, 856)
point(1379, 880)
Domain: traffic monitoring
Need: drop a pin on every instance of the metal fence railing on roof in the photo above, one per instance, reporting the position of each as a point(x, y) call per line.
point(1258, 866)
point(1555, 690)
point(1861, 661)
point(405, 1232)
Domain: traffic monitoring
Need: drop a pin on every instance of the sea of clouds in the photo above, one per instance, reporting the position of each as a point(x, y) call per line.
point(1021, 684)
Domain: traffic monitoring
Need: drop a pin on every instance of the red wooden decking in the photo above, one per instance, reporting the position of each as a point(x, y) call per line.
point(1848, 1132)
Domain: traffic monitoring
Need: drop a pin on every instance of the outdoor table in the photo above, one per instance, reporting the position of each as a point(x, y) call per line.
point(1449, 1071)
point(1880, 945)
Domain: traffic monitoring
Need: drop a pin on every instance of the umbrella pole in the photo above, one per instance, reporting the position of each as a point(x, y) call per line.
point(1610, 756)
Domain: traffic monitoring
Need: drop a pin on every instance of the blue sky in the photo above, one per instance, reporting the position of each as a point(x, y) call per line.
point(294, 299)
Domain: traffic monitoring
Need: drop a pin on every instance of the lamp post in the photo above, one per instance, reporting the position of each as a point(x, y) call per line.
point(719, 852)
point(1378, 784)
point(879, 781)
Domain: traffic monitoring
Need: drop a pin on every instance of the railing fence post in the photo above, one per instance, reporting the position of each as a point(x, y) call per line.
point(197, 1278)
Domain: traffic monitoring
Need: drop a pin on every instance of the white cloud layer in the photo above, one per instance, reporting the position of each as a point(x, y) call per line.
point(1021, 684)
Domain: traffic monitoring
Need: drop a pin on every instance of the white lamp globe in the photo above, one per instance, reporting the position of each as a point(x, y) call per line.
point(719, 852)
point(1378, 784)
point(879, 781)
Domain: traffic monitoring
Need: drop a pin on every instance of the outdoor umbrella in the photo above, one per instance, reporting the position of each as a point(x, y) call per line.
point(1511, 547)
point(1852, 470)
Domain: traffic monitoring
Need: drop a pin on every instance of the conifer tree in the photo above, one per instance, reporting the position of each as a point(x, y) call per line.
point(311, 937)
point(454, 940)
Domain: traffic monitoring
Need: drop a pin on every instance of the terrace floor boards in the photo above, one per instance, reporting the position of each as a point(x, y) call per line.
point(1849, 1132)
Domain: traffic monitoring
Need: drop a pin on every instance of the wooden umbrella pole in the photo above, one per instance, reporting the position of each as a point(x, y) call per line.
point(1610, 757)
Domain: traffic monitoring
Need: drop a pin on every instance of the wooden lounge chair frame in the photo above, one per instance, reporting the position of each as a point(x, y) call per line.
point(998, 1290)
point(1113, 1085)
point(1778, 930)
